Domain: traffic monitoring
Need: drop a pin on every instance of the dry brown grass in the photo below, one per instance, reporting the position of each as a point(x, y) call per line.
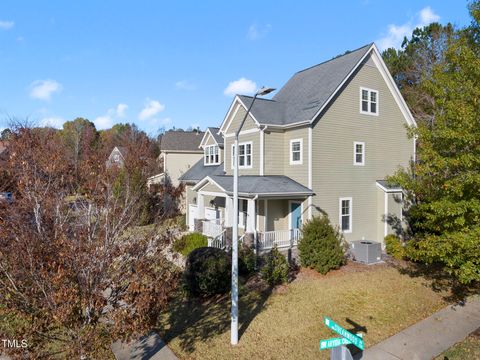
point(288, 322)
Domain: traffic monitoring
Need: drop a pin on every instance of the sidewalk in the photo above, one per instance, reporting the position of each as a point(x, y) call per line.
point(431, 336)
point(148, 347)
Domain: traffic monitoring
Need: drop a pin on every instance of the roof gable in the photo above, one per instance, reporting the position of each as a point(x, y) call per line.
point(212, 132)
point(308, 92)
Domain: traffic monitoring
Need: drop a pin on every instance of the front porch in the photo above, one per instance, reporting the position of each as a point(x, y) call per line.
point(271, 211)
point(264, 229)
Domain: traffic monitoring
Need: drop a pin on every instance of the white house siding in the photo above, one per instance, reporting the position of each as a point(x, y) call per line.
point(386, 146)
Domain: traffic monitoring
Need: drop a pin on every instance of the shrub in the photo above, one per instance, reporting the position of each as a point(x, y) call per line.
point(322, 246)
point(275, 268)
point(394, 247)
point(246, 260)
point(207, 272)
point(187, 243)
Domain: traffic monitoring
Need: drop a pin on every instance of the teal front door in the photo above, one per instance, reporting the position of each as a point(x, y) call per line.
point(295, 215)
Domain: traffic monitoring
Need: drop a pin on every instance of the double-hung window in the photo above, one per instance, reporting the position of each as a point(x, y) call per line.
point(368, 101)
point(211, 155)
point(296, 146)
point(359, 153)
point(244, 155)
point(345, 214)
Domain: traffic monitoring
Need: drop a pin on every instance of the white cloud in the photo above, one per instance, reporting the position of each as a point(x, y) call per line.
point(54, 121)
point(396, 33)
point(185, 85)
point(6, 25)
point(109, 119)
point(43, 89)
point(121, 109)
point(427, 16)
point(240, 86)
point(256, 32)
point(152, 107)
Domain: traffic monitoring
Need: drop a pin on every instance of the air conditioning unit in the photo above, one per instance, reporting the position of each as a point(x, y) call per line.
point(366, 251)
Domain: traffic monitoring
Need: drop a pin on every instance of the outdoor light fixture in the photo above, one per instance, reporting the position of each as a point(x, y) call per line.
point(234, 325)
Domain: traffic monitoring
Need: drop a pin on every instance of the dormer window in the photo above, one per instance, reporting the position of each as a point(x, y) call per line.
point(211, 155)
point(368, 101)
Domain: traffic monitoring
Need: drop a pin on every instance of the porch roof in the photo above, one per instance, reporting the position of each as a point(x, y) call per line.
point(198, 172)
point(255, 185)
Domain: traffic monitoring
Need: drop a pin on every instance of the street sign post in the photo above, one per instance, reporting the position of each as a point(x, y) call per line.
point(354, 339)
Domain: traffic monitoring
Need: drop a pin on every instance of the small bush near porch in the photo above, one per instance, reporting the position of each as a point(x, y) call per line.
point(187, 243)
point(321, 246)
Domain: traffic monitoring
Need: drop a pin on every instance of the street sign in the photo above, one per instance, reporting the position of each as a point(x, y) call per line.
point(333, 342)
point(354, 339)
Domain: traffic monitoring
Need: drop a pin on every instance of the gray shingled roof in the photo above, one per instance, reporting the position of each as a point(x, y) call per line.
point(181, 141)
point(262, 185)
point(218, 138)
point(306, 91)
point(198, 171)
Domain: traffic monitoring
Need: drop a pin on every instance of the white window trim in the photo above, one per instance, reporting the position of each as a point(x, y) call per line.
point(297, 162)
point(378, 102)
point(251, 155)
point(355, 143)
point(205, 157)
point(340, 214)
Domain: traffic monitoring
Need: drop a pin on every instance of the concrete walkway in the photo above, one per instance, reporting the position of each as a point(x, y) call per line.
point(431, 336)
point(149, 347)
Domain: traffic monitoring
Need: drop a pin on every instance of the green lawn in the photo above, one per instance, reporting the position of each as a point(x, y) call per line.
point(287, 323)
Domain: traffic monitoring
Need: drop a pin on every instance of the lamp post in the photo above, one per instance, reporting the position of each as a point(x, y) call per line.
point(234, 323)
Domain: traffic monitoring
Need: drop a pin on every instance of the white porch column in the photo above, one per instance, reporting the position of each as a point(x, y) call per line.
point(200, 206)
point(251, 215)
point(228, 212)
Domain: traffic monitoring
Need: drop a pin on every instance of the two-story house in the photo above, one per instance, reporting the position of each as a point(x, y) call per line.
point(179, 150)
point(322, 145)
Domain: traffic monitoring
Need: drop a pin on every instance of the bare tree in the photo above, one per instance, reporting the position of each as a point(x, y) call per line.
point(71, 264)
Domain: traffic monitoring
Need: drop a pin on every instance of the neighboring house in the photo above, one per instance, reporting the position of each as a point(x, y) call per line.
point(179, 150)
point(117, 156)
point(324, 144)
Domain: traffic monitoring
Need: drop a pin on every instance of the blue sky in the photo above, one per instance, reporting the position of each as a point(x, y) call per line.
point(178, 63)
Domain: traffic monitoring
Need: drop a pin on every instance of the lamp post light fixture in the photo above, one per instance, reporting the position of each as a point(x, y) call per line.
point(234, 324)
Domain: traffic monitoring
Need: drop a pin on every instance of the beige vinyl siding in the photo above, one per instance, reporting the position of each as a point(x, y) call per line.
point(261, 215)
point(255, 139)
point(274, 153)
point(212, 188)
point(277, 215)
point(299, 172)
point(237, 119)
point(178, 163)
point(394, 213)
point(386, 147)
point(210, 140)
point(380, 214)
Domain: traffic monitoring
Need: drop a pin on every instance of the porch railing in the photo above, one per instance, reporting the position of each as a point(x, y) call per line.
point(218, 241)
point(279, 238)
point(212, 228)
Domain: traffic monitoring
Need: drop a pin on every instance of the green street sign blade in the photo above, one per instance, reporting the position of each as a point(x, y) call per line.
point(354, 339)
point(334, 342)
